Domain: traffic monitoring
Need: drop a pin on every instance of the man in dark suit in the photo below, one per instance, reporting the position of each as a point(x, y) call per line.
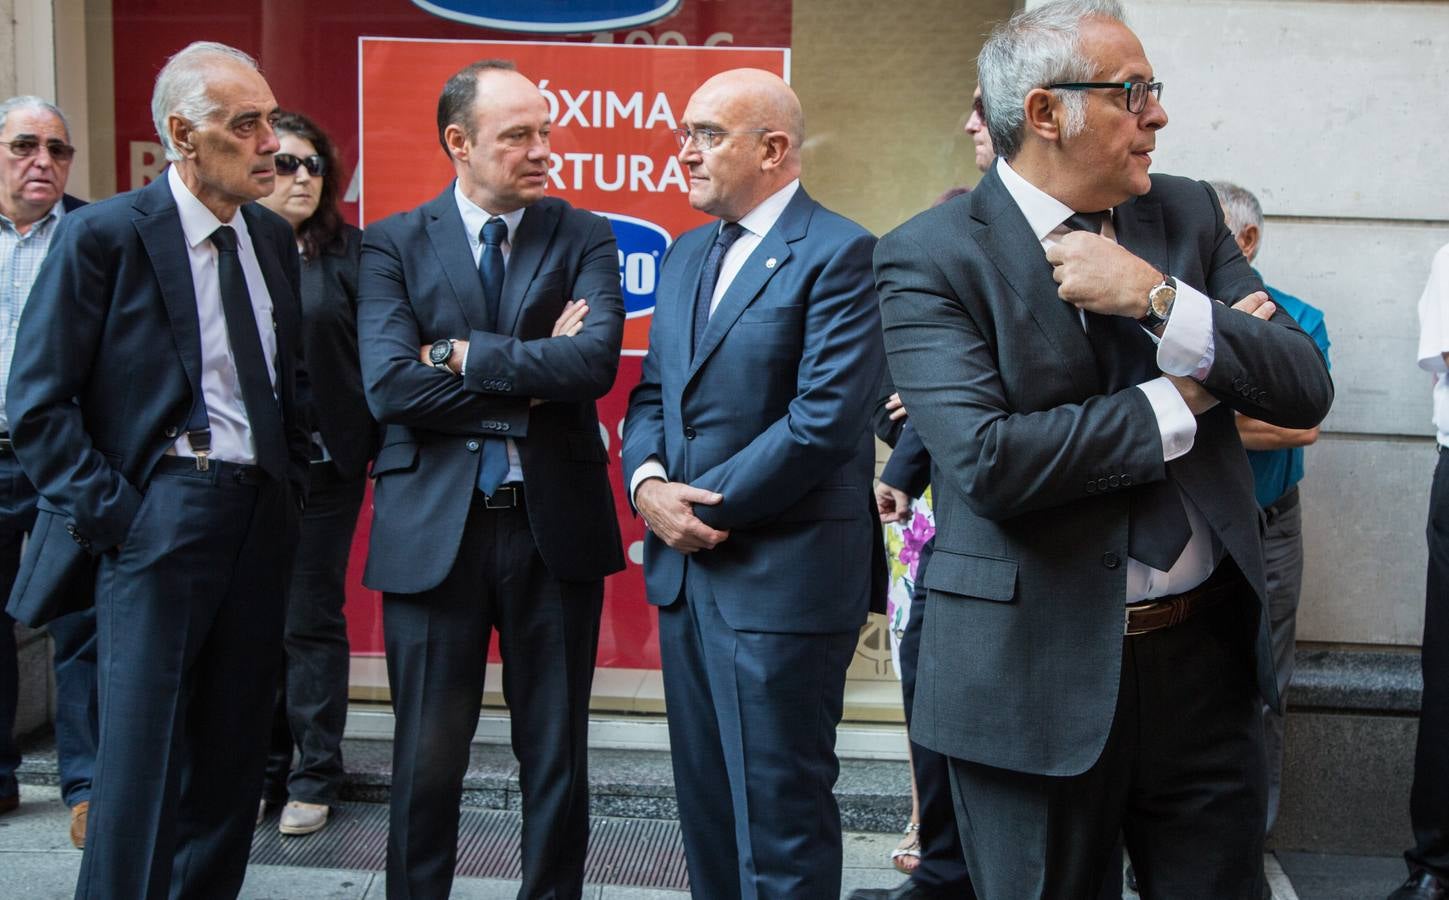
point(152, 402)
point(1085, 462)
point(33, 176)
point(749, 460)
point(493, 505)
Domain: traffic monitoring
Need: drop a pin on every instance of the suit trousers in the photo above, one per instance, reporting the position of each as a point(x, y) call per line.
point(1283, 567)
point(762, 709)
point(1181, 777)
point(189, 624)
point(17, 515)
point(1429, 796)
point(437, 647)
point(311, 710)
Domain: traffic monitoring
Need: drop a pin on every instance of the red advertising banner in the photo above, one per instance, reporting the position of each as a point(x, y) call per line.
point(616, 94)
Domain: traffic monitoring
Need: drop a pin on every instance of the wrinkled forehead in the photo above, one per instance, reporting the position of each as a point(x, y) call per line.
point(32, 120)
point(238, 90)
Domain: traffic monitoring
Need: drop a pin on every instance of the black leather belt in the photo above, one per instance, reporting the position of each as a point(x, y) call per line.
point(508, 496)
point(217, 471)
point(1174, 609)
point(1282, 504)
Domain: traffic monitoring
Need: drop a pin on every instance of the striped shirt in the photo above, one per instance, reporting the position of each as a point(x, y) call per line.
point(20, 259)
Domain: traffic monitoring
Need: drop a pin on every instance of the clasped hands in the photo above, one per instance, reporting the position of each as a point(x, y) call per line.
point(569, 323)
point(1101, 276)
point(668, 510)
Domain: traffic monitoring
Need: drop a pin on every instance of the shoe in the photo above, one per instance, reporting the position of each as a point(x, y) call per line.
point(302, 818)
point(261, 811)
point(1421, 885)
point(9, 803)
point(78, 815)
point(907, 855)
point(910, 890)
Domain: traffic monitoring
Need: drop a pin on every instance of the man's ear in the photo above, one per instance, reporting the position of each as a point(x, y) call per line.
point(1042, 114)
point(775, 147)
point(1248, 238)
point(181, 134)
point(457, 140)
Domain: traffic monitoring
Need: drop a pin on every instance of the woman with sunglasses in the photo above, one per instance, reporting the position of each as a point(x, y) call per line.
point(312, 704)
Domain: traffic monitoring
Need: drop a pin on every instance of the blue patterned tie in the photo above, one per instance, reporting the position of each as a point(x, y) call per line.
point(490, 269)
point(709, 277)
point(1158, 529)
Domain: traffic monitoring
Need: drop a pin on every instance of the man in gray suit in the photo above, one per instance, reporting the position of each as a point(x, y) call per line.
point(1085, 462)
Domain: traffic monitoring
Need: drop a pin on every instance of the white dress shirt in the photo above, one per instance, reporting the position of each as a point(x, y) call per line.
point(474, 218)
point(1185, 348)
point(756, 224)
point(231, 433)
point(1434, 338)
point(20, 259)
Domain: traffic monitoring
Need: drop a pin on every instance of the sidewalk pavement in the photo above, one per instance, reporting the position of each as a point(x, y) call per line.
point(37, 862)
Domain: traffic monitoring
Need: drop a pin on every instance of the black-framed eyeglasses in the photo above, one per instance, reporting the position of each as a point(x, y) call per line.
point(706, 139)
point(1137, 91)
point(287, 164)
point(26, 147)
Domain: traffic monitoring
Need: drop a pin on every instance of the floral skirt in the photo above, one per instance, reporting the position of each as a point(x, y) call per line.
point(903, 550)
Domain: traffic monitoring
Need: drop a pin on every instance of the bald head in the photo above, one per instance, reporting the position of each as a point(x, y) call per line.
point(757, 127)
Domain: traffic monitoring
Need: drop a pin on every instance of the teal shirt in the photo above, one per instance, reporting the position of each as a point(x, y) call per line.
point(1275, 471)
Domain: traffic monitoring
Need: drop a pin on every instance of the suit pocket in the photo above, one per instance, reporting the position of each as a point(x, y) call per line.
point(967, 575)
point(586, 446)
point(395, 458)
point(790, 312)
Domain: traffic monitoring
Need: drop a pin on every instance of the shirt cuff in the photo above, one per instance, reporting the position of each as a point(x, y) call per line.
point(1175, 422)
point(649, 468)
point(1186, 346)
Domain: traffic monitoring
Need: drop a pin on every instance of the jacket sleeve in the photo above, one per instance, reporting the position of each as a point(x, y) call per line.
point(67, 308)
point(400, 388)
point(578, 368)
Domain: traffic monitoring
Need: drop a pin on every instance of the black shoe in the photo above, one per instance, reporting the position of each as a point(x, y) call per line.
point(909, 890)
point(1421, 886)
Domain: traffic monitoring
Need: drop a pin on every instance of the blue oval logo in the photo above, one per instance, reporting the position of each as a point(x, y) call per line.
point(641, 247)
point(551, 16)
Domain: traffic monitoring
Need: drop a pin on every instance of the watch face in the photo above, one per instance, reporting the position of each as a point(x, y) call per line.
point(440, 352)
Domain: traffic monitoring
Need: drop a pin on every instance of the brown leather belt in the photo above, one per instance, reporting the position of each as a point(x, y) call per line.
point(1174, 609)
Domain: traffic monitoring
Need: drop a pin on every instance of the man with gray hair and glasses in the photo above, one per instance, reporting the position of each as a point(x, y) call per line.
point(33, 176)
point(152, 403)
point(1097, 648)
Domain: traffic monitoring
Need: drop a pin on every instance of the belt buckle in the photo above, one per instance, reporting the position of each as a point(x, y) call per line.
point(506, 497)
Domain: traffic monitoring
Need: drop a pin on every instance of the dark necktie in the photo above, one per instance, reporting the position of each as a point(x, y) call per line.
point(494, 467)
point(263, 415)
point(1127, 357)
point(709, 277)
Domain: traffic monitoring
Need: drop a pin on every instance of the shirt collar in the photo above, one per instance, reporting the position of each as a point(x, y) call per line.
point(198, 222)
point(1044, 213)
point(475, 216)
point(762, 218)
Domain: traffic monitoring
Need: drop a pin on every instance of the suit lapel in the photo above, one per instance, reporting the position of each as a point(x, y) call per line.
point(535, 233)
point(159, 228)
point(1003, 233)
point(1138, 224)
point(768, 258)
point(450, 243)
point(686, 291)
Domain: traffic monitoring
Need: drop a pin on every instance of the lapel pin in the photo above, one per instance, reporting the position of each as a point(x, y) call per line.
point(770, 263)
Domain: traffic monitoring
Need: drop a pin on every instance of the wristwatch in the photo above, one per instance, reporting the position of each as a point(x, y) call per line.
point(1159, 303)
point(440, 353)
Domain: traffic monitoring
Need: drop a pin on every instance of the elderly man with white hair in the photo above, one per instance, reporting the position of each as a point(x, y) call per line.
point(152, 402)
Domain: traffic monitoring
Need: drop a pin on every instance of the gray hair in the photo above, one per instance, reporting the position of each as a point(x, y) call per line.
point(30, 101)
point(181, 88)
point(1032, 49)
point(1240, 207)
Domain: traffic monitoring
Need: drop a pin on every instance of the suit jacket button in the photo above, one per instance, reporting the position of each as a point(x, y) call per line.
point(1091, 487)
point(504, 426)
point(472, 446)
point(1114, 481)
point(1126, 480)
point(505, 385)
point(1111, 560)
point(172, 431)
point(1103, 484)
point(689, 432)
point(70, 528)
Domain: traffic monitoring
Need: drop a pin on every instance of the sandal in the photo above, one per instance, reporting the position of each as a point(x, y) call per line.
point(907, 855)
